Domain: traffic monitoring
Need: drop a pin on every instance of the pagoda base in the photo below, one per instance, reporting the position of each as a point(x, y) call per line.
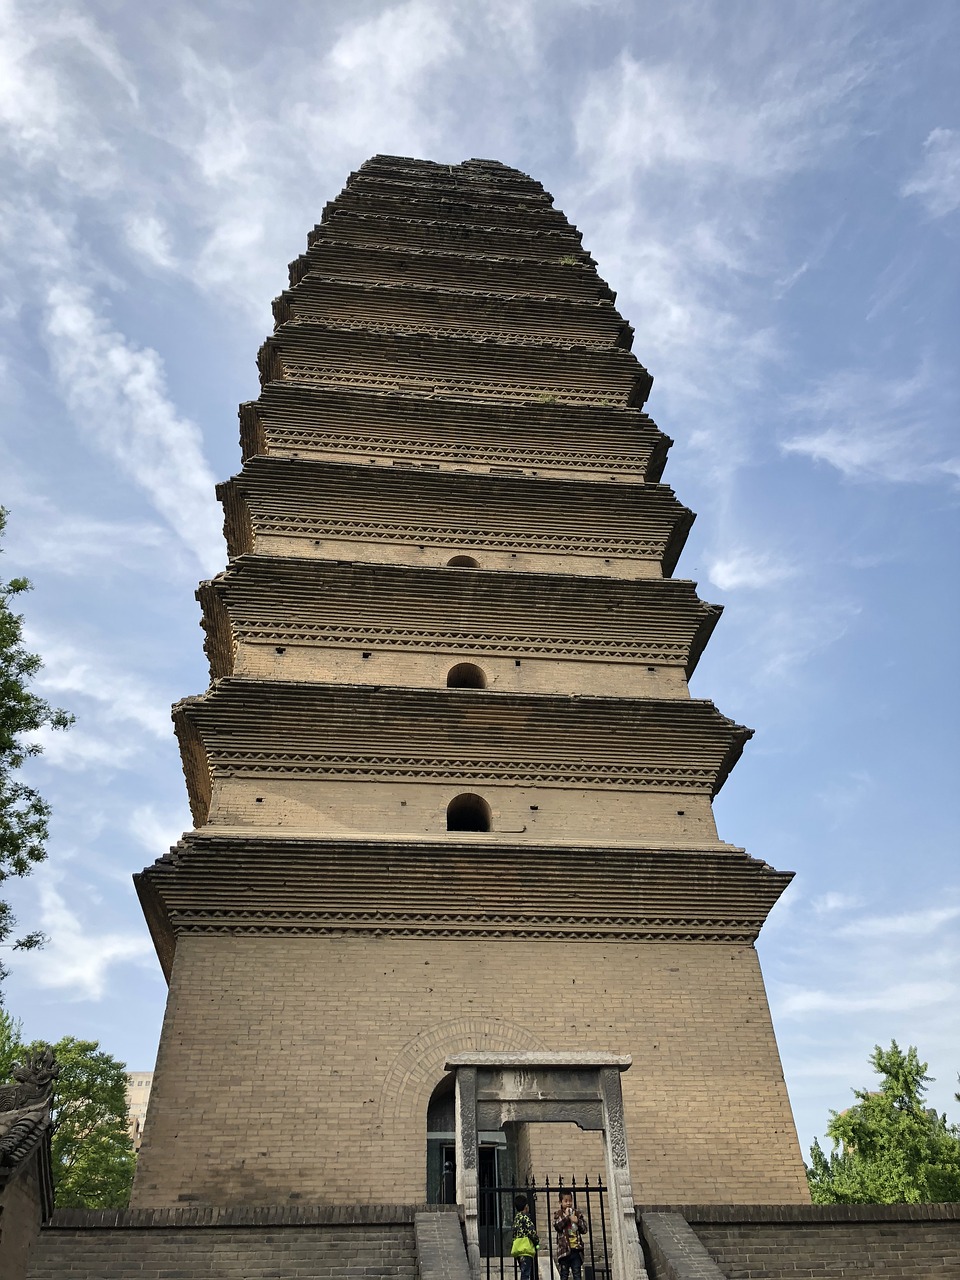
point(308, 1027)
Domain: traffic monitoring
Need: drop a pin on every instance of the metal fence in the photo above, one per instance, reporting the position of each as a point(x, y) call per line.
point(496, 1213)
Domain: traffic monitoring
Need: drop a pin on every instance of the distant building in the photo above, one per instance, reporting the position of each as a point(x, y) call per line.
point(139, 1084)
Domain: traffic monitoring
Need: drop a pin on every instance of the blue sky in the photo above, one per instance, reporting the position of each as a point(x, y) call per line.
point(774, 191)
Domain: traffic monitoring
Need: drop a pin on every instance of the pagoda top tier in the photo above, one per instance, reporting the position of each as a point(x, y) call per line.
point(478, 175)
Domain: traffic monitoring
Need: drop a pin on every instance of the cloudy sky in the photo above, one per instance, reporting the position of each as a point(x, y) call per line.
point(773, 189)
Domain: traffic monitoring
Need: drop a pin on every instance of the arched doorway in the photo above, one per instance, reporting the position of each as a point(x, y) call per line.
point(495, 1161)
point(441, 1143)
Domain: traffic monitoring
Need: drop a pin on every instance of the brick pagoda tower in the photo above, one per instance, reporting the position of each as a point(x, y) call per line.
point(451, 792)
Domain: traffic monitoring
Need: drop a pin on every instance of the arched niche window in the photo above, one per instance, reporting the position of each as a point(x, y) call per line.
point(462, 562)
point(468, 812)
point(466, 675)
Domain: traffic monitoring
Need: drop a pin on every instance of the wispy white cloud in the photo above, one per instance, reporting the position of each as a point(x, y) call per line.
point(117, 395)
point(782, 633)
point(751, 569)
point(911, 924)
point(894, 998)
point(384, 60)
point(868, 977)
point(936, 182)
point(77, 959)
point(368, 85)
point(78, 749)
point(685, 162)
point(871, 427)
point(815, 255)
point(118, 697)
point(834, 901)
point(44, 51)
point(44, 536)
point(115, 390)
point(518, 29)
point(36, 243)
point(771, 121)
point(157, 831)
point(149, 238)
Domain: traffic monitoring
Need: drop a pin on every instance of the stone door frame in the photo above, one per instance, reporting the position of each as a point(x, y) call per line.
point(493, 1089)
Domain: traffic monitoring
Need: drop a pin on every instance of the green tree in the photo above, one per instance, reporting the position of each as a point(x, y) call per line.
point(24, 814)
point(10, 1043)
point(93, 1157)
point(888, 1148)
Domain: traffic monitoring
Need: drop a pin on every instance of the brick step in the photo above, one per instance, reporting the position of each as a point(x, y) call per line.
point(280, 600)
point(452, 269)
point(481, 367)
point(460, 206)
point(299, 419)
point(403, 308)
point(483, 173)
point(456, 187)
point(433, 233)
point(317, 501)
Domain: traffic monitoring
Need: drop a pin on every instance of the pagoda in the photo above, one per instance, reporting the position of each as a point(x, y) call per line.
point(451, 794)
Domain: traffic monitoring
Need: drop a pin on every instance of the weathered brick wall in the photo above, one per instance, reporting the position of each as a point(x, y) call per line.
point(359, 665)
point(369, 551)
point(555, 1149)
point(419, 809)
point(882, 1242)
point(302, 1067)
point(223, 1246)
point(21, 1210)
point(922, 1251)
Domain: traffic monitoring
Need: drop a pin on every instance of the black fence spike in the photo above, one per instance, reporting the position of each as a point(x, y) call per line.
point(496, 1221)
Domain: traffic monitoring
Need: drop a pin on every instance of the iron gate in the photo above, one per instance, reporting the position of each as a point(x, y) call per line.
point(495, 1220)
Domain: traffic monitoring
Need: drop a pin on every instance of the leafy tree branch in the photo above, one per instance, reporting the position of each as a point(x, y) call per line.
point(24, 814)
point(889, 1147)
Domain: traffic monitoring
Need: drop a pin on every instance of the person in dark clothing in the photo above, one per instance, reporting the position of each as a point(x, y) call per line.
point(525, 1238)
point(570, 1227)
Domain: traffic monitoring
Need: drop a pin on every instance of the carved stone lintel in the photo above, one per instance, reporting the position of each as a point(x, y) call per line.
point(586, 1115)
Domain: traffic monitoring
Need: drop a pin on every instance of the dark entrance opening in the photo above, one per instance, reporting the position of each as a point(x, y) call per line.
point(468, 812)
point(441, 1149)
point(466, 675)
point(494, 1164)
